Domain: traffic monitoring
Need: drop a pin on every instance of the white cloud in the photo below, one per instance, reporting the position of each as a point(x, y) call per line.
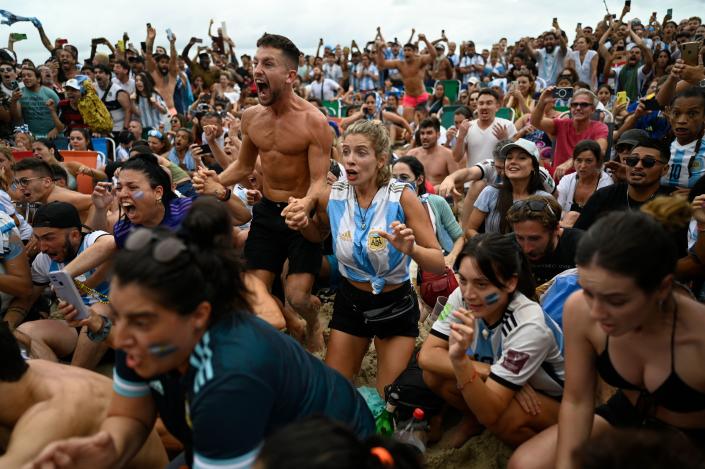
point(304, 21)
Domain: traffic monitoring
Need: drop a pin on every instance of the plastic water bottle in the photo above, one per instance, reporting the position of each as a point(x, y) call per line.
point(384, 423)
point(413, 432)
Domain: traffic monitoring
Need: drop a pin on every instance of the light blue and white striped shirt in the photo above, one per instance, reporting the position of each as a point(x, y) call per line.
point(686, 165)
point(363, 255)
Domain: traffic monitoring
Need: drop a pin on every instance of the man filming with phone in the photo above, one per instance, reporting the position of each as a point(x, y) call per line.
point(58, 230)
point(567, 132)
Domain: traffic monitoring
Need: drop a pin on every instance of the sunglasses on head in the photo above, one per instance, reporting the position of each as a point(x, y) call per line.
point(581, 105)
point(646, 162)
point(534, 206)
point(155, 134)
point(165, 250)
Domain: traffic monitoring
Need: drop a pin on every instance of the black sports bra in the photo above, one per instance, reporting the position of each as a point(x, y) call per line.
point(673, 394)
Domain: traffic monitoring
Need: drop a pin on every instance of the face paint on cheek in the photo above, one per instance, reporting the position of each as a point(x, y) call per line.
point(137, 195)
point(492, 298)
point(162, 350)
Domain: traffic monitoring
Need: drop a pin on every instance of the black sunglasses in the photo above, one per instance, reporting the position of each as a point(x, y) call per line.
point(647, 162)
point(583, 105)
point(534, 206)
point(165, 250)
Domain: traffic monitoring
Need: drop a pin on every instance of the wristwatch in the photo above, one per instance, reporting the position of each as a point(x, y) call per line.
point(104, 331)
point(226, 195)
point(701, 83)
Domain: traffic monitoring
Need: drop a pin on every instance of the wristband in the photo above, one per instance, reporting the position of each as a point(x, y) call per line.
point(104, 331)
point(226, 195)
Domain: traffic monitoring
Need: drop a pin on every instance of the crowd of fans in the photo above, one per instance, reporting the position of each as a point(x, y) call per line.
point(541, 202)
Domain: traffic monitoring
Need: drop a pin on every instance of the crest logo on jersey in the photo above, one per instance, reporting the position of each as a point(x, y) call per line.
point(345, 236)
point(376, 243)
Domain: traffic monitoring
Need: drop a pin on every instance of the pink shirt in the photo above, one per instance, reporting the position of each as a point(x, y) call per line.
point(567, 138)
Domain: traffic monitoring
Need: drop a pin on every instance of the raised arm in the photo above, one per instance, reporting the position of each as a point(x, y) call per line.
point(429, 47)
point(43, 36)
point(646, 54)
point(187, 49)
point(148, 58)
point(173, 64)
point(537, 116)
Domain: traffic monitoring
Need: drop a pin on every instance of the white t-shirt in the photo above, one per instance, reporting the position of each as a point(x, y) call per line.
point(480, 143)
point(326, 89)
point(526, 346)
point(566, 188)
point(129, 86)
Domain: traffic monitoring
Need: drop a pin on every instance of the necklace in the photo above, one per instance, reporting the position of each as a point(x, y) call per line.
point(629, 205)
point(363, 215)
point(86, 290)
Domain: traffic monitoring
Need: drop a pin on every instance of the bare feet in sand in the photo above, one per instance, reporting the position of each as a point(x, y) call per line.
point(295, 324)
point(314, 330)
point(466, 429)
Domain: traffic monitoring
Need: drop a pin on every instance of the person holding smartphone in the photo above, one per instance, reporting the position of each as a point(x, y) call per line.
point(60, 237)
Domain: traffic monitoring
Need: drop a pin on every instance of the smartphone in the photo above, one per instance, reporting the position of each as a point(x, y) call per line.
point(580, 25)
point(651, 104)
point(627, 3)
point(621, 98)
point(169, 34)
point(199, 41)
point(18, 36)
point(61, 42)
point(205, 148)
point(689, 51)
point(562, 93)
point(121, 45)
point(66, 290)
point(143, 46)
point(555, 20)
point(669, 12)
point(14, 84)
point(149, 25)
point(614, 17)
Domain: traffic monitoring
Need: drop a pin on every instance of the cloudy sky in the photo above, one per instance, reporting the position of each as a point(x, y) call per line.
point(304, 21)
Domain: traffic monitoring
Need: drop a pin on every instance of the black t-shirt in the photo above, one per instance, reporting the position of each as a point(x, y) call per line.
point(609, 199)
point(561, 259)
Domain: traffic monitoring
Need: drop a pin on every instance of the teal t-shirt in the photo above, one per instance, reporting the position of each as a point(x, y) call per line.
point(35, 112)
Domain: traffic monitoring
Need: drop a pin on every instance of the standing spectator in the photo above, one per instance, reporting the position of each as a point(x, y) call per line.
point(549, 59)
point(163, 68)
point(122, 78)
point(436, 159)
point(322, 89)
point(584, 60)
point(366, 74)
point(331, 70)
point(569, 131)
point(472, 65)
point(202, 68)
point(69, 115)
point(480, 136)
point(150, 104)
point(39, 106)
point(634, 75)
point(115, 98)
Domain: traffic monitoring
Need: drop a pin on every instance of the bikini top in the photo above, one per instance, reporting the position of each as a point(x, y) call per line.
point(673, 394)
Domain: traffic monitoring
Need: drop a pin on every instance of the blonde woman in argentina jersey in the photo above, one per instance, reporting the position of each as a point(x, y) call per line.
point(378, 225)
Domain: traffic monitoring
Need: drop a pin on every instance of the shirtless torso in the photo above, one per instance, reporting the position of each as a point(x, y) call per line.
point(82, 202)
point(437, 161)
point(53, 402)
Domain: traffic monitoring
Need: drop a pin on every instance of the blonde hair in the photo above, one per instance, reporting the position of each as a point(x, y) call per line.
point(590, 94)
point(673, 213)
point(377, 134)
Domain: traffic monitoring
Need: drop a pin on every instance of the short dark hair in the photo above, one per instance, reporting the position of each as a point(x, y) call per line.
point(12, 365)
point(490, 92)
point(591, 146)
point(212, 114)
point(430, 122)
point(59, 173)
point(36, 72)
point(103, 68)
point(40, 167)
point(123, 63)
point(284, 44)
point(464, 111)
point(410, 45)
point(663, 149)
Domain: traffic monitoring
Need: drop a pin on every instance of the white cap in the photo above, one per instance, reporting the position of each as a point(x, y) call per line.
point(73, 83)
point(523, 144)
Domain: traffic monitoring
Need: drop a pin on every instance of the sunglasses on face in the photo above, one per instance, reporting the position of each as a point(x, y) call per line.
point(5, 69)
point(165, 250)
point(647, 162)
point(580, 105)
point(403, 178)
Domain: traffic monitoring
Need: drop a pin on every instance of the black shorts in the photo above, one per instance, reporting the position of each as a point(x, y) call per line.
point(350, 302)
point(270, 242)
point(621, 413)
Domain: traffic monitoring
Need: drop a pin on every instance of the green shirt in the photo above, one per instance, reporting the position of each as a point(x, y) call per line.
point(35, 112)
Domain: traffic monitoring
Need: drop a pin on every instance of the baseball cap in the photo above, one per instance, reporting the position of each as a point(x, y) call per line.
point(523, 144)
point(73, 83)
point(57, 215)
point(632, 137)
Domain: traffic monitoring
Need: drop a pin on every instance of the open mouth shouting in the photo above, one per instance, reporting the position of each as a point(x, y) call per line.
point(263, 91)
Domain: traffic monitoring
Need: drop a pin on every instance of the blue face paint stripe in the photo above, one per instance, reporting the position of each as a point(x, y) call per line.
point(492, 298)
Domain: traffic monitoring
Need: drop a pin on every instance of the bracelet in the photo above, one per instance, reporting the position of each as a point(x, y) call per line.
point(460, 386)
point(226, 195)
point(104, 331)
point(17, 309)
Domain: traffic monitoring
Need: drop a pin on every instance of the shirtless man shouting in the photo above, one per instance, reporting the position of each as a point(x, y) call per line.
point(45, 402)
point(294, 142)
point(437, 160)
point(163, 68)
point(412, 70)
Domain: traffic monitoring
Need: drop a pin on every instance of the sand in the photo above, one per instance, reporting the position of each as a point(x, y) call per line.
point(484, 451)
